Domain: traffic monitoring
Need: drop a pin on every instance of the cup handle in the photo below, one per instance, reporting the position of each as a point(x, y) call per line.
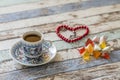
point(46, 45)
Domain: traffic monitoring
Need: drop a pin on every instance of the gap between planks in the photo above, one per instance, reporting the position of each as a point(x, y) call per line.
point(60, 17)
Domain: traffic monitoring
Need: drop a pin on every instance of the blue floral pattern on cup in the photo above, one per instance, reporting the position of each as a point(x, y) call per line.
point(32, 51)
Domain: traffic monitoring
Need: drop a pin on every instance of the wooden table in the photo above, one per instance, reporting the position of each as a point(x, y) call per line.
point(101, 16)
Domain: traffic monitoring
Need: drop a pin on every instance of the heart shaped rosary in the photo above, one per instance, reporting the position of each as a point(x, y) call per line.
point(59, 28)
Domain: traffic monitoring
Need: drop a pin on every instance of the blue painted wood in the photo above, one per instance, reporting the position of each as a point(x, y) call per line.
point(33, 73)
point(56, 10)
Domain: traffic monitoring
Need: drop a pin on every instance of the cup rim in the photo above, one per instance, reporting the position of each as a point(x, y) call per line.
point(32, 32)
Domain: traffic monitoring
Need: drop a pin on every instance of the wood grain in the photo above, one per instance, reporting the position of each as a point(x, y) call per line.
point(114, 76)
point(13, 2)
point(102, 17)
point(8, 64)
point(104, 72)
point(113, 34)
point(60, 17)
point(53, 68)
point(46, 11)
point(98, 21)
point(35, 5)
point(96, 24)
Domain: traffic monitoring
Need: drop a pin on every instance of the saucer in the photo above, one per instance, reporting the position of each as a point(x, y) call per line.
point(17, 54)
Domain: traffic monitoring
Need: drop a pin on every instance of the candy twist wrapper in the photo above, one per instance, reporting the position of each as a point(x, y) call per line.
point(96, 47)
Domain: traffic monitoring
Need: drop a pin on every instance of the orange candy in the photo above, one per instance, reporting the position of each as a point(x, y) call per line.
point(81, 50)
point(86, 56)
point(89, 41)
point(96, 54)
point(90, 49)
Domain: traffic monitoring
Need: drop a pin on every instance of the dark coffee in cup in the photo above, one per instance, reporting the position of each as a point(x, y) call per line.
point(32, 38)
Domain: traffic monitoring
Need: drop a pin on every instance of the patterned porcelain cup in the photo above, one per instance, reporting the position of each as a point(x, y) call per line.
point(34, 44)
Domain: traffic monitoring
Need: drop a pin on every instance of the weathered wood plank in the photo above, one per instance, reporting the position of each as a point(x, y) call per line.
point(61, 56)
point(60, 17)
point(62, 43)
point(8, 42)
point(55, 10)
point(4, 56)
point(35, 5)
point(103, 72)
point(56, 67)
point(13, 2)
point(53, 68)
point(96, 24)
point(115, 76)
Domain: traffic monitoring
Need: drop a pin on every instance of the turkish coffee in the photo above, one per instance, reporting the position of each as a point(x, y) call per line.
point(32, 38)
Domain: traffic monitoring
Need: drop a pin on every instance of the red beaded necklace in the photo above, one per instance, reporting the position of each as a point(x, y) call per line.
point(71, 29)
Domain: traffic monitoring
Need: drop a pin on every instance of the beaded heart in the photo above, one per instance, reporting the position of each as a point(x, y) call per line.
point(59, 28)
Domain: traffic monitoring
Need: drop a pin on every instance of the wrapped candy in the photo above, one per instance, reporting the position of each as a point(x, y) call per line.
point(102, 44)
point(106, 55)
point(96, 39)
point(103, 39)
point(106, 49)
point(89, 41)
point(86, 56)
point(96, 54)
point(81, 50)
point(90, 49)
point(96, 47)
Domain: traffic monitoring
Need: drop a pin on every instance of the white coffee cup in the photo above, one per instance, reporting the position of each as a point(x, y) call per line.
point(33, 43)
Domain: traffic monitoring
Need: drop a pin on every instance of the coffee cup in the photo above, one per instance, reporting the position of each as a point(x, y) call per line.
point(34, 44)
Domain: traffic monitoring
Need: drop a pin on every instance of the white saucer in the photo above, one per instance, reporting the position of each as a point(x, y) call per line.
point(17, 54)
